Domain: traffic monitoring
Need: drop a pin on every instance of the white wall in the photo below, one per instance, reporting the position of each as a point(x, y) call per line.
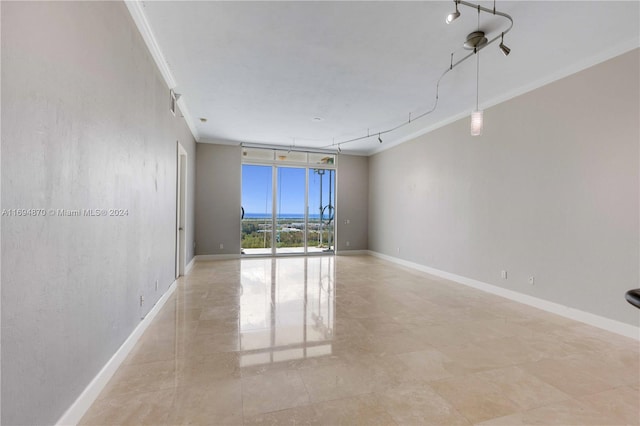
point(85, 125)
point(550, 190)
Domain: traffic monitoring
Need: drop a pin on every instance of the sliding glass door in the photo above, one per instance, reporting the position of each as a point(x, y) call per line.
point(290, 210)
point(287, 208)
point(257, 209)
point(320, 235)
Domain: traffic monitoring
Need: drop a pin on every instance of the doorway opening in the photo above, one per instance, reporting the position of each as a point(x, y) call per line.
point(288, 202)
point(181, 212)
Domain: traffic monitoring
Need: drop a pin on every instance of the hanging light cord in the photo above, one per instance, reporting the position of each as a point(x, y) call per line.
point(477, 52)
point(451, 67)
point(477, 78)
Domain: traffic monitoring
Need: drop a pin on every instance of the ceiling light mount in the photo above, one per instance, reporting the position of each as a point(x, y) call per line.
point(475, 40)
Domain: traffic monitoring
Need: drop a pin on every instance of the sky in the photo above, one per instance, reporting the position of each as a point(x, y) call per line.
point(257, 195)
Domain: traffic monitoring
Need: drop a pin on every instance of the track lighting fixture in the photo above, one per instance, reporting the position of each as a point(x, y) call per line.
point(505, 50)
point(503, 47)
point(339, 149)
point(453, 16)
point(475, 41)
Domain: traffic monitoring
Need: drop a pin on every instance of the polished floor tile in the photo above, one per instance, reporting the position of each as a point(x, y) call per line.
point(218, 402)
point(355, 340)
point(419, 404)
point(273, 392)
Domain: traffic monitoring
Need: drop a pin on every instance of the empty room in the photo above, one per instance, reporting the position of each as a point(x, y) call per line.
point(320, 212)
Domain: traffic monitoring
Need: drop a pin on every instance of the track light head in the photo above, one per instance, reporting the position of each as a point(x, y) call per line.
point(453, 16)
point(505, 50)
point(339, 149)
point(379, 138)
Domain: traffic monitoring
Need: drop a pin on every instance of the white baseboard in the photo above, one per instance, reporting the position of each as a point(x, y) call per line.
point(352, 252)
point(608, 324)
point(204, 257)
point(74, 414)
point(190, 265)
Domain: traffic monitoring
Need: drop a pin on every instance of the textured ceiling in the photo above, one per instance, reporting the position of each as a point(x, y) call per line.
point(262, 72)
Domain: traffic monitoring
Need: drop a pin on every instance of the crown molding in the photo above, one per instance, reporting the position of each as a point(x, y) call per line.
point(188, 119)
point(136, 9)
point(614, 51)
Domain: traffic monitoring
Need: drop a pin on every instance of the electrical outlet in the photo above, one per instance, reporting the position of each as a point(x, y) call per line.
point(398, 249)
point(503, 274)
point(532, 280)
point(141, 300)
point(156, 285)
point(347, 243)
point(221, 246)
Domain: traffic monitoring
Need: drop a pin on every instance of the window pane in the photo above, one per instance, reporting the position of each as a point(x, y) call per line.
point(257, 204)
point(317, 158)
point(257, 154)
point(295, 156)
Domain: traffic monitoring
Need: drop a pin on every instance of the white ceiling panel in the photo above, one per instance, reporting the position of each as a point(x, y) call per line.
point(319, 72)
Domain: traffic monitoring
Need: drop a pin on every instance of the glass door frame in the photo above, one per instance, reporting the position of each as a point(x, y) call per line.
point(306, 166)
point(277, 200)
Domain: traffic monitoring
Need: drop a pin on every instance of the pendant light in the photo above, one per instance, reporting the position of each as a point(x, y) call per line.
point(475, 41)
point(477, 119)
point(477, 114)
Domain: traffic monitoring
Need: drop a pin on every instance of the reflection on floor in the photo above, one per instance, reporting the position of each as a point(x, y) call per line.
point(356, 340)
point(286, 310)
point(286, 250)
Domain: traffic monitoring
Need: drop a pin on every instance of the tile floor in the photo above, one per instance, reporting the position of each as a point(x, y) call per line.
point(355, 340)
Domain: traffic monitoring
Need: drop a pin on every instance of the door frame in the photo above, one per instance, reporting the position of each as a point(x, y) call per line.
point(274, 178)
point(181, 209)
point(277, 199)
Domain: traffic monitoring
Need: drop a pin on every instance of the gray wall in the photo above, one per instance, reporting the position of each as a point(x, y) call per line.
point(352, 198)
point(218, 183)
point(187, 141)
point(85, 124)
point(218, 198)
point(550, 190)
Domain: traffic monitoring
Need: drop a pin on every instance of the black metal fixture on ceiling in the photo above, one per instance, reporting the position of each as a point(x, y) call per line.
point(475, 41)
point(503, 47)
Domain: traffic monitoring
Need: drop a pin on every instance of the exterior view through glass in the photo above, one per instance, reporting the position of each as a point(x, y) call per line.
point(287, 207)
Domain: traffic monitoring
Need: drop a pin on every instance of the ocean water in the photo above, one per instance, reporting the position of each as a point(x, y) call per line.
point(297, 216)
